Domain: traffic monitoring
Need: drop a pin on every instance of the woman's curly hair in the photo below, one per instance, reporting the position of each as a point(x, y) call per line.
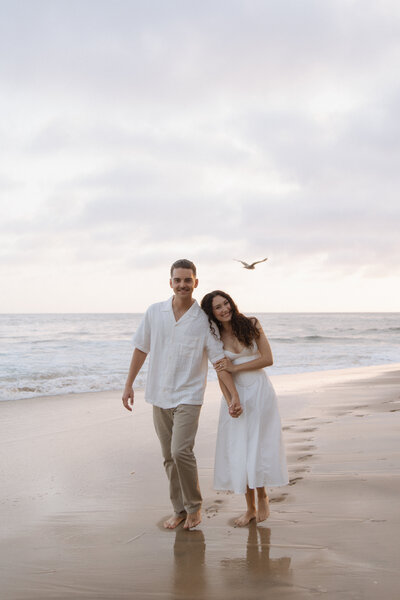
point(244, 328)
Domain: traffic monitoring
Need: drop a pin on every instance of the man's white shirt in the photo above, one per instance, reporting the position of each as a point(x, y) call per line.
point(178, 352)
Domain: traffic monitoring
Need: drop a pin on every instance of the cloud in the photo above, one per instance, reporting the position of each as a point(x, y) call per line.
point(137, 130)
point(130, 53)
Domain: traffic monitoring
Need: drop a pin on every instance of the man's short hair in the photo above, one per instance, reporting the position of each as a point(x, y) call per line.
point(183, 263)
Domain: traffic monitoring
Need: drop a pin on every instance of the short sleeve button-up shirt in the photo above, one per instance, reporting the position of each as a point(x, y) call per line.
point(178, 352)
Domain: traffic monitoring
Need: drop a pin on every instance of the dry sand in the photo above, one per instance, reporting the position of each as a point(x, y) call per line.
point(83, 496)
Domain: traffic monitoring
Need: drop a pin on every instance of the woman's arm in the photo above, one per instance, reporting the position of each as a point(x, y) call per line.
point(265, 359)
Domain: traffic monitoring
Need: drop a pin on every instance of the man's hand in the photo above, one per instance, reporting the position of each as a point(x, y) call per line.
point(128, 398)
point(235, 409)
point(138, 358)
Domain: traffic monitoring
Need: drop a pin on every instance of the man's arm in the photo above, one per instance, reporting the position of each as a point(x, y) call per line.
point(227, 397)
point(225, 378)
point(215, 352)
point(138, 358)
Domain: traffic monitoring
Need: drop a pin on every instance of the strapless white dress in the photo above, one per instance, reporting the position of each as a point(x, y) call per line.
point(250, 448)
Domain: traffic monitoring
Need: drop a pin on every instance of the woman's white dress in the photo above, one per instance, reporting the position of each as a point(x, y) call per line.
point(250, 448)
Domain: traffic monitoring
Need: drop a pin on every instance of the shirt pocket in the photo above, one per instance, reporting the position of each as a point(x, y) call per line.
point(189, 346)
point(189, 353)
point(188, 357)
point(182, 359)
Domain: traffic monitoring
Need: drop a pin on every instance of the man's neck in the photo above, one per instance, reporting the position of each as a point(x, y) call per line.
point(181, 305)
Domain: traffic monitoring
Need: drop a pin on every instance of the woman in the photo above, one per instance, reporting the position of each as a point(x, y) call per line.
point(249, 453)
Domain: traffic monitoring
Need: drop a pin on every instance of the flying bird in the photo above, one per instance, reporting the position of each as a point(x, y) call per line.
point(253, 265)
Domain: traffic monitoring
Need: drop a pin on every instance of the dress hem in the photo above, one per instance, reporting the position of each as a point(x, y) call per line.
point(267, 485)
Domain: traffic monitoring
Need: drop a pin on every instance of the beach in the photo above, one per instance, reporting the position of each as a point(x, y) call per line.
point(84, 495)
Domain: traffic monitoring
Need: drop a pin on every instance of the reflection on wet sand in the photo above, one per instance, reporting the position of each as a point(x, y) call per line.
point(189, 569)
point(257, 563)
point(195, 577)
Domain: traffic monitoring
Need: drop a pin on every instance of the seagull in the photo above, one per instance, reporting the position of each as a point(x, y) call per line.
point(253, 265)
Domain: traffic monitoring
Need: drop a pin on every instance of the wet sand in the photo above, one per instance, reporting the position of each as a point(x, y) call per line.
point(83, 496)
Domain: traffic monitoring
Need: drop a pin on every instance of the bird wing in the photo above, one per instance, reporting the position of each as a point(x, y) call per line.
point(245, 264)
point(258, 261)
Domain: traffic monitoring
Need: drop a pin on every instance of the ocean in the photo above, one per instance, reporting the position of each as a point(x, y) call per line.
point(50, 354)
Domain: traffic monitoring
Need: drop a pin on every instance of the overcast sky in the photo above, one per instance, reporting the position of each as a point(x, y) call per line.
point(135, 133)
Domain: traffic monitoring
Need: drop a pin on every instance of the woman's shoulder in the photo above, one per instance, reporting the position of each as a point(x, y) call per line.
point(255, 322)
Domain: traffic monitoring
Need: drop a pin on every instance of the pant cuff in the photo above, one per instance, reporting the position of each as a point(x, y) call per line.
point(193, 509)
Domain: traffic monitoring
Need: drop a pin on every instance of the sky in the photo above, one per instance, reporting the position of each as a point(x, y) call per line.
point(136, 133)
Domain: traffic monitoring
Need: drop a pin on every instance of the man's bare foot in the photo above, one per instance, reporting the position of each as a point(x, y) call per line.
point(192, 520)
point(263, 509)
point(174, 521)
point(245, 519)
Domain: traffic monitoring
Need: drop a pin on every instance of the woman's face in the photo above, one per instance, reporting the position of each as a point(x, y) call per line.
point(222, 310)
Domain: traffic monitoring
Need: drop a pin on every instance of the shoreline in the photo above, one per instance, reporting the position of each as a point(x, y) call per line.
point(319, 377)
point(84, 497)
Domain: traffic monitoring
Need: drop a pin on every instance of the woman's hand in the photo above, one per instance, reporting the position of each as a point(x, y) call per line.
point(225, 364)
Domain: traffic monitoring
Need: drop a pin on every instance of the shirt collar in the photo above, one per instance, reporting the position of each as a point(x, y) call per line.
point(192, 312)
point(167, 305)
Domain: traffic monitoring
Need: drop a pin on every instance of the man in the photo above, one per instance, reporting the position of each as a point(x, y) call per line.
point(177, 335)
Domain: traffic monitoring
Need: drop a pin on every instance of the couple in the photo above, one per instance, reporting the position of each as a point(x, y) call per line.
point(180, 336)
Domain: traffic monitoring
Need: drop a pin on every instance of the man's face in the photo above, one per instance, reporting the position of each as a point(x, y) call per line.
point(183, 282)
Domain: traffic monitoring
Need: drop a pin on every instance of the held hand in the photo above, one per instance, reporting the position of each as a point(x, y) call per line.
point(225, 364)
point(235, 409)
point(128, 398)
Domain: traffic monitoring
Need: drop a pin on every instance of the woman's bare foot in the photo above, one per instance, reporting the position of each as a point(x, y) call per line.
point(263, 509)
point(174, 521)
point(245, 519)
point(192, 519)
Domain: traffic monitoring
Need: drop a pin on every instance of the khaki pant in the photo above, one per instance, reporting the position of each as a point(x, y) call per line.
point(176, 429)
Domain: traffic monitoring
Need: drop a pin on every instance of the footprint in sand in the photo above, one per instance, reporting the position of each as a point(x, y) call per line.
point(294, 480)
point(307, 429)
point(302, 469)
point(303, 447)
point(212, 510)
point(377, 520)
point(304, 457)
point(279, 498)
point(301, 440)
